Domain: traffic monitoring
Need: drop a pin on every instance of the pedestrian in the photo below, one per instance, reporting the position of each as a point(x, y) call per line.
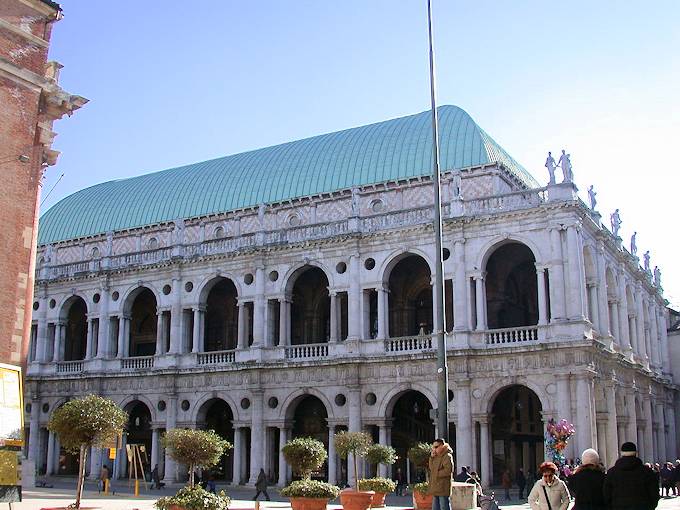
point(156, 479)
point(103, 478)
point(210, 485)
point(628, 484)
point(667, 478)
point(261, 485)
point(585, 485)
point(506, 482)
point(521, 480)
point(401, 482)
point(676, 477)
point(441, 474)
point(463, 475)
point(549, 493)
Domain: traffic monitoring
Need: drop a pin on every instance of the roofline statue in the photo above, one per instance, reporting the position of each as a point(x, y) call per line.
point(565, 164)
point(615, 219)
point(592, 194)
point(550, 165)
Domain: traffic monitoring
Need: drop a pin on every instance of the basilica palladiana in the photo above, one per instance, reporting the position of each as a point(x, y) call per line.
point(287, 292)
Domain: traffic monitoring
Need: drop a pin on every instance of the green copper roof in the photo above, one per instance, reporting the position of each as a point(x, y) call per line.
point(389, 150)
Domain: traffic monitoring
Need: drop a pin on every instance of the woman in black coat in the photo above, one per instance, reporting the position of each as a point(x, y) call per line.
point(586, 483)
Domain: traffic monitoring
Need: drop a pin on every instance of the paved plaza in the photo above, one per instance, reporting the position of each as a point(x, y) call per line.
point(61, 495)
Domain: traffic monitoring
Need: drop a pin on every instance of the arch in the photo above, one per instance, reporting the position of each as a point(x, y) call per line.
point(220, 320)
point(129, 401)
point(74, 313)
point(207, 283)
point(200, 406)
point(143, 328)
point(491, 246)
point(128, 297)
point(289, 405)
point(139, 427)
point(511, 286)
point(310, 309)
point(390, 398)
point(589, 262)
point(397, 256)
point(294, 272)
point(612, 286)
point(495, 389)
point(410, 298)
point(216, 414)
point(67, 303)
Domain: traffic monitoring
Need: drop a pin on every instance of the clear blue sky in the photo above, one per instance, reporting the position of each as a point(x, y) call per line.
point(173, 82)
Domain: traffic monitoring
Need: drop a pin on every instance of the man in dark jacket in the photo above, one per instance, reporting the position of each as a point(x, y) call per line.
point(585, 485)
point(629, 485)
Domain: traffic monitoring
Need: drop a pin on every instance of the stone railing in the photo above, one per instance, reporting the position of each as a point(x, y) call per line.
point(511, 335)
point(137, 362)
point(140, 258)
point(307, 351)
point(505, 202)
point(408, 344)
point(69, 367)
point(307, 232)
point(215, 357)
point(397, 219)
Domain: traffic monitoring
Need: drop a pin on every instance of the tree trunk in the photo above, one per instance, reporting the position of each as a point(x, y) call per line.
point(191, 475)
point(356, 471)
point(81, 474)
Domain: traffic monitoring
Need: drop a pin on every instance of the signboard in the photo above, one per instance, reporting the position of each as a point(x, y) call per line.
point(11, 433)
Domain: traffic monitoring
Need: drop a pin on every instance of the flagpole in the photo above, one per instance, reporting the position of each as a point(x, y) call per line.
point(442, 369)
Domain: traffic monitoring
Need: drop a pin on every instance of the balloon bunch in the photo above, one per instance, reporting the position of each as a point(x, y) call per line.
point(557, 435)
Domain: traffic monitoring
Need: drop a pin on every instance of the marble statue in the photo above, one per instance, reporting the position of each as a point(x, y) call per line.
point(550, 165)
point(591, 194)
point(633, 244)
point(616, 222)
point(657, 276)
point(645, 258)
point(565, 164)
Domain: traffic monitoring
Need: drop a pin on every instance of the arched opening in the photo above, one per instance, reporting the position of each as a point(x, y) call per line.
point(310, 310)
point(143, 324)
point(139, 433)
point(217, 415)
point(68, 460)
point(410, 298)
point(221, 317)
point(311, 420)
point(516, 432)
point(511, 289)
point(412, 423)
point(75, 345)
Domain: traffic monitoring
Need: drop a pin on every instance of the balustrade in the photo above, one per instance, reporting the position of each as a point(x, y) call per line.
point(69, 367)
point(215, 357)
point(137, 362)
point(408, 344)
point(511, 335)
point(307, 351)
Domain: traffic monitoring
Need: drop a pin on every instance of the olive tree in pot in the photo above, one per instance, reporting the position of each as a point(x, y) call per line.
point(375, 455)
point(420, 456)
point(306, 455)
point(356, 444)
point(195, 449)
point(91, 421)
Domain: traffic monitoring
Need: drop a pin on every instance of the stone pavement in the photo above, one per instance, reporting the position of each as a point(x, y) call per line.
point(63, 493)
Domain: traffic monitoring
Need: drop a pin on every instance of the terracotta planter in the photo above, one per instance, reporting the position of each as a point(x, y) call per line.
point(378, 500)
point(353, 500)
point(308, 503)
point(422, 501)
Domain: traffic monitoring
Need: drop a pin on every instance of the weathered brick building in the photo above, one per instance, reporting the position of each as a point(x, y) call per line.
point(30, 100)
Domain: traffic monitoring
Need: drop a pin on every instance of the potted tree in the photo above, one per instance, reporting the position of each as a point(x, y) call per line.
point(91, 421)
point(195, 449)
point(420, 456)
point(356, 444)
point(306, 455)
point(375, 455)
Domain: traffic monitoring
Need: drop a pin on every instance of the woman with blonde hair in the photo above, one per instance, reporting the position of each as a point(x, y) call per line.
point(549, 493)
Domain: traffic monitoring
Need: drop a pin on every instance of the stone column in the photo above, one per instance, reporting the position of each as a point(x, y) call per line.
point(123, 335)
point(584, 429)
point(34, 433)
point(283, 466)
point(334, 317)
point(464, 450)
point(642, 347)
point(480, 302)
point(665, 353)
point(485, 450)
point(654, 333)
point(155, 446)
point(542, 304)
point(382, 439)
point(556, 272)
point(41, 349)
point(593, 310)
point(631, 428)
point(51, 453)
point(671, 437)
point(283, 322)
point(660, 454)
point(602, 446)
point(257, 434)
point(176, 316)
point(196, 337)
point(460, 304)
point(624, 339)
point(354, 297)
point(612, 432)
point(354, 425)
point(577, 298)
point(564, 406)
point(170, 423)
point(242, 340)
point(237, 469)
point(89, 342)
point(603, 326)
point(160, 330)
point(59, 333)
point(616, 328)
point(258, 309)
point(104, 333)
point(332, 457)
point(647, 439)
point(383, 315)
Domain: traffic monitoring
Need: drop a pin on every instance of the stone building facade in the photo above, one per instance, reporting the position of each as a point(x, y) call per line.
point(30, 100)
point(313, 313)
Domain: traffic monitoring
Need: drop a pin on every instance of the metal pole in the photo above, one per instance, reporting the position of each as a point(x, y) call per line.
point(442, 370)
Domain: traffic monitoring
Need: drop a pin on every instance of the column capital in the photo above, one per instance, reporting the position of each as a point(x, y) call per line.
point(124, 316)
point(460, 241)
point(243, 301)
point(481, 418)
point(199, 308)
point(477, 275)
point(240, 425)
